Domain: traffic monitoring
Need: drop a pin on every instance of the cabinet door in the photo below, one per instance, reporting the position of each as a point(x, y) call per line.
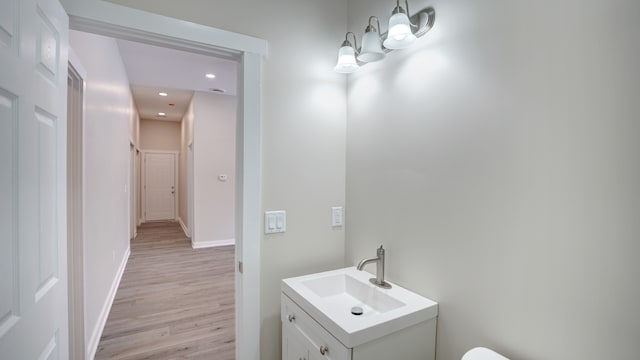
point(315, 354)
point(302, 328)
point(293, 348)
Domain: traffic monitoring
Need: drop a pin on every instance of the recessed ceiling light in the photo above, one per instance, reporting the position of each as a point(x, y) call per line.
point(162, 114)
point(163, 94)
point(210, 76)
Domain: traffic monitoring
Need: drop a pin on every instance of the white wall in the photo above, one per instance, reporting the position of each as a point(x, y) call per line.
point(107, 131)
point(304, 124)
point(498, 161)
point(186, 137)
point(160, 135)
point(214, 134)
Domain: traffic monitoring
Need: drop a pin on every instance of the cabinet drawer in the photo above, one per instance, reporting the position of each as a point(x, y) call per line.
point(296, 320)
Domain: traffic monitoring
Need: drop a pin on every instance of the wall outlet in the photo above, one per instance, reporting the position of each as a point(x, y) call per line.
point(275, 222)
point(336, 216)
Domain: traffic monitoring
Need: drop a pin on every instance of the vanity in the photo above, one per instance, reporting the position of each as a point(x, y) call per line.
point(342, 315)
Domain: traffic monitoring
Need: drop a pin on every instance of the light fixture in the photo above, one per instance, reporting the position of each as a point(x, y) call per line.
point(210, 76)
point(163, 94)
point(400, 35)
point(162, 114)
point(371, 43)
point(404, 29)
point(347, 56)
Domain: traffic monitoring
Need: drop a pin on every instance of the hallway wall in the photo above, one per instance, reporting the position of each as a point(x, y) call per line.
point(498, 161)
point(160, 135)
point(186, 137)
point(110, 117)
point(214, 142)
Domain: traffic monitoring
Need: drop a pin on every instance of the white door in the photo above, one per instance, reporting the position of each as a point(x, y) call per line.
point(160, 186)
point(33, 268)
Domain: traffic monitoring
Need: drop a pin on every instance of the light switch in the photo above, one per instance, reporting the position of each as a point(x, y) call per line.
point(280, 221)
point(275, 222)
point(336, 216)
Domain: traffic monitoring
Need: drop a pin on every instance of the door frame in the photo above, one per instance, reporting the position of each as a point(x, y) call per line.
point(104, 18)
point(143, 169)
point(133, 189)
point(190, 210)
point(75, 212)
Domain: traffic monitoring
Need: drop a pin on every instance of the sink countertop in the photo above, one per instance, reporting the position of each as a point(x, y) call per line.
point(328, 297)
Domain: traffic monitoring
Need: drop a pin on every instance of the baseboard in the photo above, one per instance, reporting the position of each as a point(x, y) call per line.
point(92, 347)
point(212, 243)
point(184, 227)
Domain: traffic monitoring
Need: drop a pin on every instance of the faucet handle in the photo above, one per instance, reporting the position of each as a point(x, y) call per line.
point(380, 250)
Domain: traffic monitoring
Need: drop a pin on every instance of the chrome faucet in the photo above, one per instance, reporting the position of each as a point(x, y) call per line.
point(379, 260)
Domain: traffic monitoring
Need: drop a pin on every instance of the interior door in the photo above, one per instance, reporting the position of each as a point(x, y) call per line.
point(33, 91)
point(160, 186)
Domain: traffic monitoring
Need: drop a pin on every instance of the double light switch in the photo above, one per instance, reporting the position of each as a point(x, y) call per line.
point(275, 222)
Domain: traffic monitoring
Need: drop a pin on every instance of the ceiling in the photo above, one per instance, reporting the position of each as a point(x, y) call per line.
point(149, 103)
point(152, 69)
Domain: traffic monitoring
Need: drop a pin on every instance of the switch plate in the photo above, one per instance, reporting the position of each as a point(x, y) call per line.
point(336, 216)
point(275, 222)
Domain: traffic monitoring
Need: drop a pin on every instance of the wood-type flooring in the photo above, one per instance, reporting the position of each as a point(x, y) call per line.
point(173, 302)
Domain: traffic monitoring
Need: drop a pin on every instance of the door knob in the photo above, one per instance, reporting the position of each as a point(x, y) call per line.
point(324, 350)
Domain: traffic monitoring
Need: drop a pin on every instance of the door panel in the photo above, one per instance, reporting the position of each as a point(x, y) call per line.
point(160, 186)
point(8, 210)
point(8, 24)
point(33, 295)
point(47, 238)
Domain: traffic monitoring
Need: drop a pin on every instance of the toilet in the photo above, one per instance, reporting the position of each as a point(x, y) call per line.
point(481, 353)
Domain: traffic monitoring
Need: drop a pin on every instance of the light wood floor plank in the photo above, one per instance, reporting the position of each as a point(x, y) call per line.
point(173, 302)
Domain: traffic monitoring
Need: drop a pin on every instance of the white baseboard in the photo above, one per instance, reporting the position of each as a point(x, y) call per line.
point(212, 243)
point(184, 227)
point(96, 334)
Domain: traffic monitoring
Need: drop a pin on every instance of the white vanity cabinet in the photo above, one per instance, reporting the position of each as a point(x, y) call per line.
point(303, 338)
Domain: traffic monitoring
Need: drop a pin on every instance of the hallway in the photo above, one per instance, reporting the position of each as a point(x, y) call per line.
point(173, 301)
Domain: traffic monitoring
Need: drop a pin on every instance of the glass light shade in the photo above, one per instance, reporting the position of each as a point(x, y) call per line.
point(399, 35)
point(346, 60)
point(371, 47)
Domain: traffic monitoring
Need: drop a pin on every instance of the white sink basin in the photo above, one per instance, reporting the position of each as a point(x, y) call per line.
point(330, 296)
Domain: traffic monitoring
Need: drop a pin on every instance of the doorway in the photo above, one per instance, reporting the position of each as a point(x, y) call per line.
point(108, 19)
point(160, 184)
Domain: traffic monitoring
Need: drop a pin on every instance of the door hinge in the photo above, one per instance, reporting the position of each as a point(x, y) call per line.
point(240, 267)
